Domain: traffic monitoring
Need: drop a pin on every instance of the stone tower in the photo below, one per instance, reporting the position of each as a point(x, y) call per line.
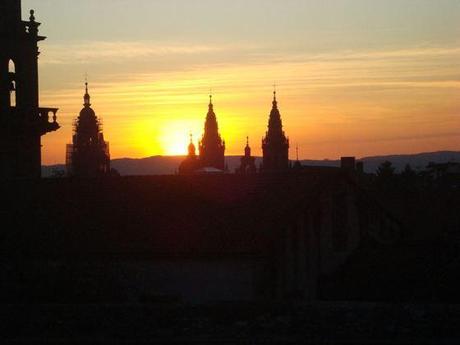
point(212, 147)
point(22, 121)
point(88, 155)
point(275, 145)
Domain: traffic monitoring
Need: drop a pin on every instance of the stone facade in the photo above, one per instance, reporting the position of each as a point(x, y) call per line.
point(23, 121)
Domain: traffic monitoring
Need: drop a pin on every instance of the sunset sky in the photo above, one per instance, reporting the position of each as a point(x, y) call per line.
point(354, 77)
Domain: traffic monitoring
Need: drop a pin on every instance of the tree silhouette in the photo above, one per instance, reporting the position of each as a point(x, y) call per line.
point(385, 171)
point(408, 173)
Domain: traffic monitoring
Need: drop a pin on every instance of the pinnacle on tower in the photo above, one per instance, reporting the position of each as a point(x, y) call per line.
point(87, 97)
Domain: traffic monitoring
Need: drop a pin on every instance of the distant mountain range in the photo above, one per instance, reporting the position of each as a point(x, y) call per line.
point(166, 165)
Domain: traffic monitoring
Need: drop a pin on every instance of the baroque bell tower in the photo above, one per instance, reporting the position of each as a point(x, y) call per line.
point(22, 121)
point(212, 147)
point(275, 145)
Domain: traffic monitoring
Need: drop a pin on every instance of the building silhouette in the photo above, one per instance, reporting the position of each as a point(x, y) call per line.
point(191, 163)
point(23, 121)
point(211, 146)
point(88, 155)
point(248, 162)
point(197, 240)
point(275, 145)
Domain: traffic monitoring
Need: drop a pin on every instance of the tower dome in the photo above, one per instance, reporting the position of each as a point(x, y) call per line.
point(88, 155)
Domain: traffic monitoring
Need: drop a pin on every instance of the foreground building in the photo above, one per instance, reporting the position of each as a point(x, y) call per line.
point(88, 155)
point(22, 121)
point(191, 239)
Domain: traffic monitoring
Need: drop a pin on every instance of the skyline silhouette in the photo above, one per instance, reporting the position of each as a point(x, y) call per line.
point(211, 248)
point(354, 79)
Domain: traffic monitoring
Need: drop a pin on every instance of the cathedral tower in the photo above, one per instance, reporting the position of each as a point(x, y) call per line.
point(22, 121)
point(88, 155)
point(212, 148)
point(275, 145)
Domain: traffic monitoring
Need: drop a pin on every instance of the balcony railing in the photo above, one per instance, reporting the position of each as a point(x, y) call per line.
point(44, 114)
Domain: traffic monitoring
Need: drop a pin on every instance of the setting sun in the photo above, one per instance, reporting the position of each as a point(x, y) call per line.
point(175, 136)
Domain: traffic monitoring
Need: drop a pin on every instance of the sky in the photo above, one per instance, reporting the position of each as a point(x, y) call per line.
point(354, 77)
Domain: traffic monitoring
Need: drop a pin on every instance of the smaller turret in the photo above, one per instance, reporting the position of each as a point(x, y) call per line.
point(191, 147)
point(248, 163)
point(191, 163)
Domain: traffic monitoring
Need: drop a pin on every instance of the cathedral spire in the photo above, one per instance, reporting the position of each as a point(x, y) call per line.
point(87, 97)
point(211, 146)
point(275, 145)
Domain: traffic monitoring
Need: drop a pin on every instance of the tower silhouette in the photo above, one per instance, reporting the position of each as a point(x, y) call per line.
point(212, 147)
point(248, 163)
point(191, 162)
point(275, 145)
point(22, 121)
point(88, 155)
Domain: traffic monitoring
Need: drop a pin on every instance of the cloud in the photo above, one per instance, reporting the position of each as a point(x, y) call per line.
point(368, 100)
point(103, 52)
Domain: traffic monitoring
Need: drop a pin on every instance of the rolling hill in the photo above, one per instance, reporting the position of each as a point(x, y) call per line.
point(166, 165)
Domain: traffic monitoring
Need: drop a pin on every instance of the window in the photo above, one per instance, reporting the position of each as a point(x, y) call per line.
point(12, 81)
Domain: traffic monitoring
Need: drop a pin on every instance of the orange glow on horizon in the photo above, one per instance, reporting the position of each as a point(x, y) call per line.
point(359, 106)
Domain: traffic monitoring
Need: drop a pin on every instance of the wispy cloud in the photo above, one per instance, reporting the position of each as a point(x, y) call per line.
point(100, 52)
point(339, 100)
